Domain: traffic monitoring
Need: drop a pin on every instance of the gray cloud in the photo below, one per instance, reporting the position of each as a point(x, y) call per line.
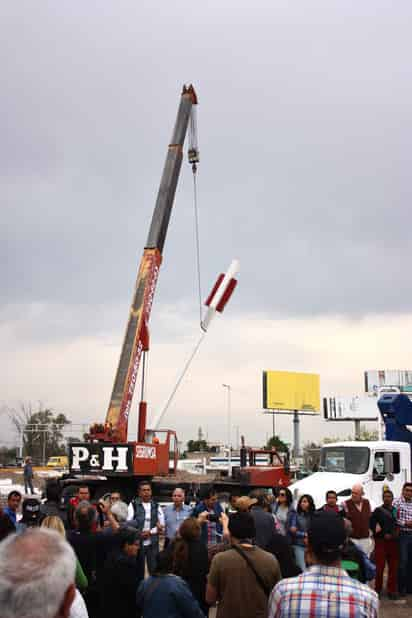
point(304, 129)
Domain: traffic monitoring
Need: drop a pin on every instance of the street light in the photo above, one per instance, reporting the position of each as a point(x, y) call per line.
point(229, 421)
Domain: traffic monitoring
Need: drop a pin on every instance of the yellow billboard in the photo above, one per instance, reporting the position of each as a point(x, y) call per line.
point(288, 390)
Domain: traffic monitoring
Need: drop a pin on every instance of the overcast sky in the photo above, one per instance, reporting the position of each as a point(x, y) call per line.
point(304, 132)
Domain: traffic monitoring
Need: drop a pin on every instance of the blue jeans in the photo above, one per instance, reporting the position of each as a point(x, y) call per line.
point(300, 556)
point(28, 484)
point(405, 555)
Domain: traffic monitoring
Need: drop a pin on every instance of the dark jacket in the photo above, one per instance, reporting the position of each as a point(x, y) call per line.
point(265, 526)
point(167, 596)
point(51, 508)
point(85, 548)
point(139, 518)
point(118, 584)
point(386, 518)
point(327, 509)
point(28, 471)
point(281, 548)
point(302, 526)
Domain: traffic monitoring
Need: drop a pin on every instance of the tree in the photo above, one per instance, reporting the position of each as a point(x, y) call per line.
point(278, 444)
point(311, 455)
point(41, 431)
point(366, 435)
point(7, 455)
point(197, 445)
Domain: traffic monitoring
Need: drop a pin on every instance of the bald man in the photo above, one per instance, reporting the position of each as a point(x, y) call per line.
point(175, 513)
point(358, 511)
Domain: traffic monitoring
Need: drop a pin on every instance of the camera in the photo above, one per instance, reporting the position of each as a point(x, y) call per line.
point(213, 518)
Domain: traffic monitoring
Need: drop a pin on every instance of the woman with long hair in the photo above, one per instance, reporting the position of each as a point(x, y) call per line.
point(166, 594)
point(304, 512)
point(53, 522)
point(190, 559)
point(78, 607)
point(283, 511)
point(122, 573)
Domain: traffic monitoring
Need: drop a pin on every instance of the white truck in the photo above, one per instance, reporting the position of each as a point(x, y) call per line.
point(344, 464)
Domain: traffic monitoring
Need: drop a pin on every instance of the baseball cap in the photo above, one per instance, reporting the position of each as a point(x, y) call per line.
point(326, 532)
point(30, 510)
point(244, 503)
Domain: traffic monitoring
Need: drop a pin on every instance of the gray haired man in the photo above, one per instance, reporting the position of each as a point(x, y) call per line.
point(41, 586)
point(175, 514)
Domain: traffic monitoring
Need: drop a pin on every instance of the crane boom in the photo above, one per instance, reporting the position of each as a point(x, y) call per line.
point(136, 336)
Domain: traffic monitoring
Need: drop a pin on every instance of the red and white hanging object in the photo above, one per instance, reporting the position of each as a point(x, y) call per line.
point(220, 294)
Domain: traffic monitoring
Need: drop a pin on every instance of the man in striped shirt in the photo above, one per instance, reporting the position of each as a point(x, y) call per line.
point(403, 508)
point(324, 590)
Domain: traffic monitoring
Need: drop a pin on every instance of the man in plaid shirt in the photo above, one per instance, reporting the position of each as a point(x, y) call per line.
point(403, 508)
point(324, 590)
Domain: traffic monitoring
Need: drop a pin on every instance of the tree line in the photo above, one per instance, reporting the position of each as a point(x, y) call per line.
point(40, 432)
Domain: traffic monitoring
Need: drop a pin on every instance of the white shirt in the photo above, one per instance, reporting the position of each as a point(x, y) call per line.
point(147, 512)
point(78, 607)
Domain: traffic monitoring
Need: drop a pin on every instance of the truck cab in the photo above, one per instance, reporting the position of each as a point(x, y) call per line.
point(374, 465)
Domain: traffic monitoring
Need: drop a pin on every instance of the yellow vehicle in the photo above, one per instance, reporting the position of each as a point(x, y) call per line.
point(60, 461)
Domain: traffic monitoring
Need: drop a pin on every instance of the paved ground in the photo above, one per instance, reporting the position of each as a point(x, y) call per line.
point(388, 609)
point(391, 609)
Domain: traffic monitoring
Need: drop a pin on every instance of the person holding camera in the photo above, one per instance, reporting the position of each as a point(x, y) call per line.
point(209, 513)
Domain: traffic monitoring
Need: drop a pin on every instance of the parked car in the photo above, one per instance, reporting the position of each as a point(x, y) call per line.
point(58, 461)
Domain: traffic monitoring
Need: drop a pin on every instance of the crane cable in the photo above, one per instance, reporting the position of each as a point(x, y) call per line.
point(193, 156)
point(197, 242)
point(165, 407)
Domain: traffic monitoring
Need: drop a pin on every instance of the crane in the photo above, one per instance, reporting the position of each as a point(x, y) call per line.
point(136, 341)
point(107, 453)
point(107, 450)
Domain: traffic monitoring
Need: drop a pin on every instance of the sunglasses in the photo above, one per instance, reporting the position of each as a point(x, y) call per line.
point(282, 493)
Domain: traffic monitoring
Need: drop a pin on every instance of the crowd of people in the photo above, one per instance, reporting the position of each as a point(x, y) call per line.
point(263, 556)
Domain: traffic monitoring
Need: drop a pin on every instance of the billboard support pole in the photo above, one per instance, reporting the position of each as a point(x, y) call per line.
point(357, 429)
point(296, 434)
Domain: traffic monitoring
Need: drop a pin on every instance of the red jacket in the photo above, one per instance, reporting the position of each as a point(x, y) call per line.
point(358, 518)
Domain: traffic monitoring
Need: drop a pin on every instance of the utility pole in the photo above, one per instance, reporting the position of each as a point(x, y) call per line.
point(44, 447)
point(296, 434)
point(229, 422)
point(237, 437)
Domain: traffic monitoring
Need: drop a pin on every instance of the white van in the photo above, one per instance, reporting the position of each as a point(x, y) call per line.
point(372, 464)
